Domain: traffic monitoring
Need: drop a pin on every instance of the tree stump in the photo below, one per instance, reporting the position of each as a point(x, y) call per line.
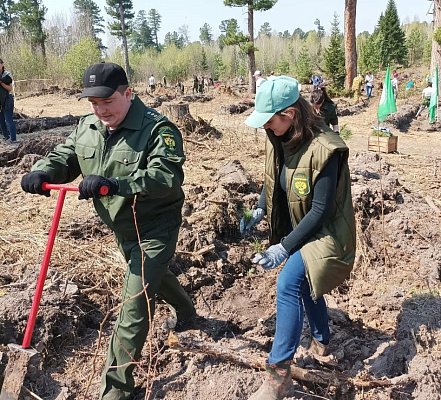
point(176, 112)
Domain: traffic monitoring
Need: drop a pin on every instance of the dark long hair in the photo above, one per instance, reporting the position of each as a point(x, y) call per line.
point(303, 126)
point(318, 97)
point(3, 67)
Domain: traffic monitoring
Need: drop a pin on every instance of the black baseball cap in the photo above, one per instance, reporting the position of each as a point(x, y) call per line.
point(102, 79)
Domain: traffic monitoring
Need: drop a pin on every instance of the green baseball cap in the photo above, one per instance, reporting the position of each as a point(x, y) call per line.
point(273, 96)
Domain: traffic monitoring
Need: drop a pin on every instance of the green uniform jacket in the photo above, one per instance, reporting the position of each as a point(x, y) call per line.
point(145, 154)
point(328, 255)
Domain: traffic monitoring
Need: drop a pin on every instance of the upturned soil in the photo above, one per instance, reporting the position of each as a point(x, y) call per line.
point(385, 319)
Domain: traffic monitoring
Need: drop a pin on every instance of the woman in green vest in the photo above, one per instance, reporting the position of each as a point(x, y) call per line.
point(307, 200)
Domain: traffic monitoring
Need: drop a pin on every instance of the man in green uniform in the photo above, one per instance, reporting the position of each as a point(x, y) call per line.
point(357, 84)
point(138, 154)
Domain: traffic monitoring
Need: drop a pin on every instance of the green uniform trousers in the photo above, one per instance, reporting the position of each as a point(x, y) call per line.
point(132, 325)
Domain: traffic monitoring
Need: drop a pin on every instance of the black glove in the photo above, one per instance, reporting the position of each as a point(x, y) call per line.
point(91, 184)
point(33, 181)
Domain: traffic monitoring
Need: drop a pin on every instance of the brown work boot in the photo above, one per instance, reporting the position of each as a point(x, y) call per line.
point(318, 348)
point(277, 384)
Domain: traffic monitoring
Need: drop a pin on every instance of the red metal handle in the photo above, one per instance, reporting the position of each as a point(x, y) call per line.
point(54, 186)
point(47, 255)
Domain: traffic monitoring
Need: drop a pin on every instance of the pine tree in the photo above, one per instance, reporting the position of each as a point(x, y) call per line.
point(31, 14)
point(141, 38)
point(303, 68)
point(122, 13)
point(206, 37)
point(155, 24)
point(392, 45)
point(249, 48)
point(334, 56)
point(6, 14)
point(89, 13)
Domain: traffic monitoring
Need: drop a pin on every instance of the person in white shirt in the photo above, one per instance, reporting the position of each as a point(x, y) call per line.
point(425, 95)
point(152, 83)
point(259, 79)
point(369, 80)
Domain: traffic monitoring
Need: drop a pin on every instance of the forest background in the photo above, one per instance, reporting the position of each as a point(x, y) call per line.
point(59, 52)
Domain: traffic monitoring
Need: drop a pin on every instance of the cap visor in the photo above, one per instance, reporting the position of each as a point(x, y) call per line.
point(257, 120)
point(97, 91)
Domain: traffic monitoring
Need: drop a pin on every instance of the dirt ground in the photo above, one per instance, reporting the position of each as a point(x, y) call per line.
point(385, 320)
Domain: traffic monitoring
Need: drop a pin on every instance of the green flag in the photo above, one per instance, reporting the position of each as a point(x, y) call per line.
point(387, 102)
point(434, 97)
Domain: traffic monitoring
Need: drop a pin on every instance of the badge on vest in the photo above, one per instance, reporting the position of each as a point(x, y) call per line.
point(300, 185)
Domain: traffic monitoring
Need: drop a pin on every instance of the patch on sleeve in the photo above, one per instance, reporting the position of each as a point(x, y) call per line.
point(168, 136)
point(301, 185)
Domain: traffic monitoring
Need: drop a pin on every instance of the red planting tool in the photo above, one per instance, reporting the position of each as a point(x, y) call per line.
point(14, 371)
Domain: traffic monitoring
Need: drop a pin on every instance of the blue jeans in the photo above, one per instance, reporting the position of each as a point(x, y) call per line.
point(292, 294)
point(368, 91)
point(7, 124)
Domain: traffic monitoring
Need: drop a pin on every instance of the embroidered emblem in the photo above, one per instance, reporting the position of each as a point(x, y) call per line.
point(301, 185)
point(169, 140)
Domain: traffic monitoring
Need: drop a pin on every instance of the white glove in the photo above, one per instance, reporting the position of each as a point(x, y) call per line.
point(272, 257)
point(256, 217)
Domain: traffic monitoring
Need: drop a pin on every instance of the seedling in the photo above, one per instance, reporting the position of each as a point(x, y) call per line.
point(258, 248)
point(247, 215)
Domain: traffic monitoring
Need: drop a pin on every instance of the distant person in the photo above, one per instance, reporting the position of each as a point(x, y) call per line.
point(425, 95)
point(241, 80)
point(395, 83)
point(410, 84)
point(259, 79)
point(369, 80)
point(316, 81)
point(195, 84)
point(164, 81)
point(152, 83)
point(271, 75)
point(201, 84)
point(357, 84)
point(7, 124)
point(325, 107)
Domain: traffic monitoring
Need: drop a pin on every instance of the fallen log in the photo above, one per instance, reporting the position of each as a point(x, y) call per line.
point(41, 124)
point(334, 378)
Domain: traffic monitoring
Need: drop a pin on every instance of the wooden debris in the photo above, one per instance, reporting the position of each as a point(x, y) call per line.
point(334, 378)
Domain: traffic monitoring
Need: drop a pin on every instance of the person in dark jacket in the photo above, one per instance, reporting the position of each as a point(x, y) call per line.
point(138, 154)
point(307, 199)
point(7, 124)
point(325, 107)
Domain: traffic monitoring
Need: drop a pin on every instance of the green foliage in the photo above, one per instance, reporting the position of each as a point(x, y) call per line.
point(257, 5)
point(265, 29)
point(5, 14)
point(174, 39)
point(345, 132)
point(392, 39)
point(303, 68)
point(369, 56)
point(204, 65)
point(283, 67)
point(205, 36)
point(258, 247)
point(247, 215)
point(31, 14)
point(415, 44)
point(218, 67)
point(141, 37)
point(89, 10)
point(113, 10)
point(155, 24)
point(334, 56)
point(437, 35)
point(80, 56)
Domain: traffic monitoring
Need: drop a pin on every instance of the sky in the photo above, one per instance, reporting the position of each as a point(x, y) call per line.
point(285, 15)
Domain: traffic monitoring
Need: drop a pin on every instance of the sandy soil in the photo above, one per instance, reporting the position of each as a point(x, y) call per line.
point(385, 320)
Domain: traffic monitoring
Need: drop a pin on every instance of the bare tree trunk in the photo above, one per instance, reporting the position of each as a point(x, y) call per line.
point(350, 43)
point(124, 41)
point(251, 55)
point(436, 48)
